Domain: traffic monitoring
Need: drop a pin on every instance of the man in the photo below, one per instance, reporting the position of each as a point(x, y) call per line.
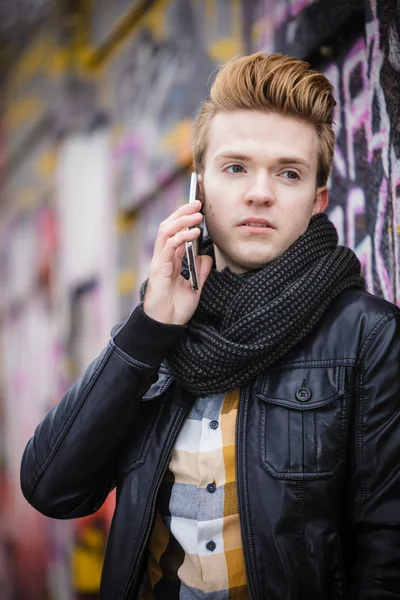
point(252, 427)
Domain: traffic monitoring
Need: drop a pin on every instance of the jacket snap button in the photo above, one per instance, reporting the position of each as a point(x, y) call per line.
point(303, 394)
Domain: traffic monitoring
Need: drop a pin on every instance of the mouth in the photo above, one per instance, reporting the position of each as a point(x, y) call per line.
point(258, 225)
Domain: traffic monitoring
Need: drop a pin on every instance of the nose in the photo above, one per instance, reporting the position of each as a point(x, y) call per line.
point(260, 190)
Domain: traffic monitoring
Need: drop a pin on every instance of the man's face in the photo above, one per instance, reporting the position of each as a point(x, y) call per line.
point(259, 186)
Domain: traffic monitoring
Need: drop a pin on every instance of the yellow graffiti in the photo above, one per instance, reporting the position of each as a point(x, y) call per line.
point(32, 61)
point(40, 64)
point(179, 141)
point(42, 58)
point(210, 10)
point(117, 132)
point(26, 109)
point(94, 57)
point(59, 62)
point(87, 558)
point(125, 222)
point(46, 164)
point(123, 32)
point(155, 19)
point(224, 49)
point(237, 20)
point(25, 199)
point(256, 32)
point(126, 282)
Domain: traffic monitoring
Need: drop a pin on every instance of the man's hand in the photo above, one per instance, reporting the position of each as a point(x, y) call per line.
point(170, 297)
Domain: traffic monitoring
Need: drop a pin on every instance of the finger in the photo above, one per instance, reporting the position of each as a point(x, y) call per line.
point(204, 265)
point(185, 209)
point(179, 254)
point(168, 230)
point(173, 243)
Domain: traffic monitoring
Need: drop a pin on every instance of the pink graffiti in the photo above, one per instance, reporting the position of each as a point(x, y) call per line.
point(275, 15)
point(379, 226)
point(339, 161)
point(364, 252)
point(356, 112)
point(337, 217)
point(378, 140)
point(128, 145)
point(19, 383)
point(280, 12)
point(131, 158)
point(395, 186)
point(355, 207)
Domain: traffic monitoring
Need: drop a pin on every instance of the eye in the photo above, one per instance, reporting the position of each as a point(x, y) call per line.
point(235, 169)
point(291, 175)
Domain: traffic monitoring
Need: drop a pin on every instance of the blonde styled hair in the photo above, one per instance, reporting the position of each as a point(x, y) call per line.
point(271, 83)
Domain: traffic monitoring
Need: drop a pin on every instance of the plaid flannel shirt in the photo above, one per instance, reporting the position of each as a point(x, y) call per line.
point(195, 548)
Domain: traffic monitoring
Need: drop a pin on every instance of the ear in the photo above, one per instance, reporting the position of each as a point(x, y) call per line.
point(199, 194)
point(321, 200)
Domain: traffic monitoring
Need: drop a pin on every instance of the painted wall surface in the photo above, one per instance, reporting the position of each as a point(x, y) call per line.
point(357, 45)
point(154, 84)
point(96, 138)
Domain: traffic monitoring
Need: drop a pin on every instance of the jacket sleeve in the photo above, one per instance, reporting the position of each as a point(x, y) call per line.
point(67, 468)
point(376, 482)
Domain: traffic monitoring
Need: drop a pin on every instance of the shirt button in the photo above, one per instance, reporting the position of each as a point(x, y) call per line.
point(211, 546)
point(303, 394)
point(214, 424)
point(211, 488)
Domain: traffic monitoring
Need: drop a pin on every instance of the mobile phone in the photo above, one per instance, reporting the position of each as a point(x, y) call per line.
point(192, 247)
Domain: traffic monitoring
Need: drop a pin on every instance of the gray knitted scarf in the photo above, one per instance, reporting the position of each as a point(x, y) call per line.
point(244, 323)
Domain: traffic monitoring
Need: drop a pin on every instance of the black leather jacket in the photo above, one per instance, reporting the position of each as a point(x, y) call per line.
point(318, 455)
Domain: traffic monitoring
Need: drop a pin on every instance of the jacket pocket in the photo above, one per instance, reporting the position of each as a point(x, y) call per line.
point(303, 424)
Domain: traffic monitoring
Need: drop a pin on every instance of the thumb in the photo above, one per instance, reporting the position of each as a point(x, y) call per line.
point(204, 266)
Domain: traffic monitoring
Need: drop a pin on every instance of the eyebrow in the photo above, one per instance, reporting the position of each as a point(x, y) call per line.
point(293, 160)
point(233, 155)
point(282, 160)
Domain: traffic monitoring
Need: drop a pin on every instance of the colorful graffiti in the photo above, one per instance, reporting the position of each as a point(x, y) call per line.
point(356, 48)
point(147, 85)
point(366, 172)
point(156, 86)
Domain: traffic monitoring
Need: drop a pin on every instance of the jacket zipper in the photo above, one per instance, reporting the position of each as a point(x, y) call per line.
point(160, 476)
point(241, 500)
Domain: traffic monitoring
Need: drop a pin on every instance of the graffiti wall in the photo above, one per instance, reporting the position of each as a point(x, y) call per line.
point(154, 84)
point(353, 43)
point(96, 152)
point(151, 86)
point(97, 135)
point(357, 45)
